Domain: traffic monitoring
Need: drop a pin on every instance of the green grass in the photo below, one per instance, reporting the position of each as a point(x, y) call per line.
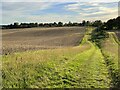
point(80, 67)
point(110, 48)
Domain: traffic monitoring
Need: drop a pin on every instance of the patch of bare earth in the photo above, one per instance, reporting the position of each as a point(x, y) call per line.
point(118, 34)
point(16, 40)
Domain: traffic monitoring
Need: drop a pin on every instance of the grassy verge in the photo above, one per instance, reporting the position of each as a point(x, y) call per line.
point(108, 44)
point(81, 67)
point(109, 49)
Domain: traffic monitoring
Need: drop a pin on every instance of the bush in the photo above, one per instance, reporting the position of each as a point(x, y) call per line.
point(98, 35)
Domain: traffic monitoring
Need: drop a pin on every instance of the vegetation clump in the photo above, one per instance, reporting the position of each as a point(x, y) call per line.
point(98, 35)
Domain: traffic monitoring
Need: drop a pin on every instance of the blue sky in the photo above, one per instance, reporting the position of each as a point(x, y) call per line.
point(57, 11)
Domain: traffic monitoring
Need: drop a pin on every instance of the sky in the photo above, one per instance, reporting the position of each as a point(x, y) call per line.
point(45, 12)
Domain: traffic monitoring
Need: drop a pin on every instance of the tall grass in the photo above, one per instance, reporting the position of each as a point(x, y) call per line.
point(82, 66)
point(110, 48)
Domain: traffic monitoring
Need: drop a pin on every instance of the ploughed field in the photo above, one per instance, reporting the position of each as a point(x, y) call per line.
point(16, 40)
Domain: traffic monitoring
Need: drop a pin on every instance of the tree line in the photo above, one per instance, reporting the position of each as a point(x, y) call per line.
point(30, 25)
point(109, 25)
point(112, 24)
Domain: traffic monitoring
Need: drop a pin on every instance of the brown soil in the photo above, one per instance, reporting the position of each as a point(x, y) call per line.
point(118, 34)
point(15, 40)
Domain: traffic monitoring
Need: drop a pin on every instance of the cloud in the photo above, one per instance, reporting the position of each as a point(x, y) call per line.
point(18, 11)
point(92, 11)
point(57, 11)
point(24, 7)
point(59, 1)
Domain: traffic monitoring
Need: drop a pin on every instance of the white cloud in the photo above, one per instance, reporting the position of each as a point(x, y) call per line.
point(60, 1)
point(13, 11)
point(25, 7)
point(94, 11)
point(23, 12)
point(41, 18)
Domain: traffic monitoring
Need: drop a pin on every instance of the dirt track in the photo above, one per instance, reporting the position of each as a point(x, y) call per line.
point(40, 38)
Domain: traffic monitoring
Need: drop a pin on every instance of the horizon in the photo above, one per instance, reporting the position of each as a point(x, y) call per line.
point(49, 12)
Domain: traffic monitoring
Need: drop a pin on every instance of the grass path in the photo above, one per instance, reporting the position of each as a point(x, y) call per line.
point(81, 67)
point(110, 48)
point(110, 51)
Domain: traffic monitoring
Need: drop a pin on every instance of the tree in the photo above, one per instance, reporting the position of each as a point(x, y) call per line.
point(83, 23)
point(54, 24)
point(60, 24)
point(97, 23)
point(16, 25)
point(69, 23)
point(75, 24)
point(118, 22)
point(88, 23)
point(46, 25)
point(41, 24)
point(65, 24)
point(110, 24)
point(36, 24)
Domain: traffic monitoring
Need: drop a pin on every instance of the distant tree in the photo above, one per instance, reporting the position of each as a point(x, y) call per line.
point(79, 24)
point(9, 26)
point(55, 24)
point(118, 22)
point(36, 24)
point(97, 23)
point(75, 24)
point(60, 24)
point(88, 23)
point(83, 23)
point(50, 24)
point(16, 24)
point(41, 24)
point(23, 25)
point(31, 24)
point(65, 24)
point(110, 24)
point(69, 23)
point(46, 25)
